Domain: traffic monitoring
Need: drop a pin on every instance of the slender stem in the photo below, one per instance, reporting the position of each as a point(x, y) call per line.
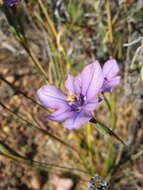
point(81, 153)
point(89, 146)
point(37, 64)
point(34, 163)
point(109, 20)
point(50, 24)
point(109, 160)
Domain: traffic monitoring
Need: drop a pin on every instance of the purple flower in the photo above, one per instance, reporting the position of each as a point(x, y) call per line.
point(75, 107)
point(12, 2)
point(110, 71)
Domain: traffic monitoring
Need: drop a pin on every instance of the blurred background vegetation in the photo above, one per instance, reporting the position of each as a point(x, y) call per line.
point(40, 42)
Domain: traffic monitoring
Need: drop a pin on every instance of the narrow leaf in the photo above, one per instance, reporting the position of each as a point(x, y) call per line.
point(106, 130)
point(8, 152)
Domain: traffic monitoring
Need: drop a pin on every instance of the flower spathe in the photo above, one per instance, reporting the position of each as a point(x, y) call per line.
point(75, 108)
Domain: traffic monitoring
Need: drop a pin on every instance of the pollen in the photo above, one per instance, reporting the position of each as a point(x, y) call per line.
point(71, 97)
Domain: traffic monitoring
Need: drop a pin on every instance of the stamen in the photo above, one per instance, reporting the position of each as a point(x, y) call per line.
point(71, 97)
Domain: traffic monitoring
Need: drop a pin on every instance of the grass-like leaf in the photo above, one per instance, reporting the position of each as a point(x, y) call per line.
point(106, 130)
point(8, 152)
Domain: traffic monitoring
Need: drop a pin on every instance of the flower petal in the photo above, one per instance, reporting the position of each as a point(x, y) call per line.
point(92, 79)
point(60, 115)
point(77, 85)
point(69, 83)
point(78, 119)
point(107, 86)
point(73, 84)
point(115, 81)
point(110, 69)
point(91, 104)
point(12, 2)
point(51, 97)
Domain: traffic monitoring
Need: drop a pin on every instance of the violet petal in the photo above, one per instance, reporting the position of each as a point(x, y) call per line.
point(92, 80)
point(115, 81)
point(77, 85)
point(110, 69)
point(107, 87)
point(73, 84)
point(69, 83)
point(91, 104)
point(12, 2)
point(51, 97)
point(77, 120)
point(60, 115)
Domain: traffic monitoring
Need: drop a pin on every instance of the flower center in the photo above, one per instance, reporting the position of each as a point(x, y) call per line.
point(71, 97)
point(76, 102)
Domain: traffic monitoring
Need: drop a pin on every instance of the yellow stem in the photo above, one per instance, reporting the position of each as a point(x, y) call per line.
point(109, 20)
point(51, 25)
point(37, 64)
point(89, 144)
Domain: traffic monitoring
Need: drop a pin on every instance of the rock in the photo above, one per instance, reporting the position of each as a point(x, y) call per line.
point(63, 183)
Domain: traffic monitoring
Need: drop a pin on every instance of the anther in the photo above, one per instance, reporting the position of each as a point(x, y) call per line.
point(71, 97)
